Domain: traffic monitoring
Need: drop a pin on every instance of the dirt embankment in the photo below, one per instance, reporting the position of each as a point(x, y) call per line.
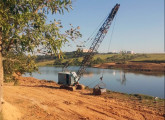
point(43, 100)
point(135, 66)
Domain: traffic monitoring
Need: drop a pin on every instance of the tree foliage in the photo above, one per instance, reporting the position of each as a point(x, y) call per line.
point(18, 63)
point(78, 53)
point(98, 61)
point(58, 62)
point(24, 28)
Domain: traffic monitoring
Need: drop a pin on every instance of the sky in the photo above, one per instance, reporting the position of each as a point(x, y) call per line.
point(138, 25)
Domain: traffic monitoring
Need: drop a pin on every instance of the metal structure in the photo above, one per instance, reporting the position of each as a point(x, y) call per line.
point(97, 41)
point(71, 78)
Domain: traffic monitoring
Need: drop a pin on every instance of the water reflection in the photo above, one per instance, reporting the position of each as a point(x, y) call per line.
point(115, 80)
point(122, 79)
point(89, 74)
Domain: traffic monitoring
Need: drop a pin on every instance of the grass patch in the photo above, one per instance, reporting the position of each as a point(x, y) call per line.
point(45, 63)
point(154, 58)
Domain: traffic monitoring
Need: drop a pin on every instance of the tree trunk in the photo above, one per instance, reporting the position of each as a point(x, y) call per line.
point(1, 72)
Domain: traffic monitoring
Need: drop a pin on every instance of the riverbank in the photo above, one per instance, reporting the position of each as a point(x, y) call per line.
point(143, 63)
point(40, 99)
point(135, 66)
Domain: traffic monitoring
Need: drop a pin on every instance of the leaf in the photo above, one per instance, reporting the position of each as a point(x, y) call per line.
point(71, 7)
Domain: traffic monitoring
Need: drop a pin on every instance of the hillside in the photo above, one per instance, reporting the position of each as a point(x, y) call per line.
point(106, 58)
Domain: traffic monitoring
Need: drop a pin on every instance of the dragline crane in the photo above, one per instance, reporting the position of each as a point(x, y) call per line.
point(72, 78)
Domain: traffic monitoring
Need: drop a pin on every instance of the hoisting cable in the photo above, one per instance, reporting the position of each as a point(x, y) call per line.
point(110, 42)
point(101, 78)
point(94, 32)
point(112, 33)
point(92, 82)
point(90, 38)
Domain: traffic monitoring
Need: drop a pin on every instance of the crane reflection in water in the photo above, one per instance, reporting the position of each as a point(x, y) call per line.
point(122, 79)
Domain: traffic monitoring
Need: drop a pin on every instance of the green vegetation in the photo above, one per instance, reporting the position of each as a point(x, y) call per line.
point(155, 58)
point(17, 63)
point(46, 63)
point(23, 30)
point(105, 58)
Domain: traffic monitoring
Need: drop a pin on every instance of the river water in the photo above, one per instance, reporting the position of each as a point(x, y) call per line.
point(115, 80)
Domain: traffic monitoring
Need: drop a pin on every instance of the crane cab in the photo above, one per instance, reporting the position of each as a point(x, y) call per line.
point(67, 78)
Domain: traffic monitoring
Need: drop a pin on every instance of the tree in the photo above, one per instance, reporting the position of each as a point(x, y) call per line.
point(97, 61)
point(18, 64)
point(78, 53)
point(23, 28)
point(58, 62)
point(76, 62)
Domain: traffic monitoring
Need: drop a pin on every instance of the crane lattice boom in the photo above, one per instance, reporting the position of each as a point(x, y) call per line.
point(97, 41)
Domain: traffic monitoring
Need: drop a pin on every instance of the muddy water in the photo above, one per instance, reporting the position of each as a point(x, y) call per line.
point(115, 80)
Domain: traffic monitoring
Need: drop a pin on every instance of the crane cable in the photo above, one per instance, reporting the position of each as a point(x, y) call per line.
point(94, 32)
point(110, 42)
point(96, 80)
point(101, 78)
point(112, 33)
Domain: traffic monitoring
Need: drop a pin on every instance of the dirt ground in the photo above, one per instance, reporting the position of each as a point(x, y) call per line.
point(33, 99)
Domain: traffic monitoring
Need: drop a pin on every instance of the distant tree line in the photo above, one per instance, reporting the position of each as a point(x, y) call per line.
point(117, 58)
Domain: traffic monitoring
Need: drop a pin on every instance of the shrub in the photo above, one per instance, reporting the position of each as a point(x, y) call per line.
point(18, 63)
